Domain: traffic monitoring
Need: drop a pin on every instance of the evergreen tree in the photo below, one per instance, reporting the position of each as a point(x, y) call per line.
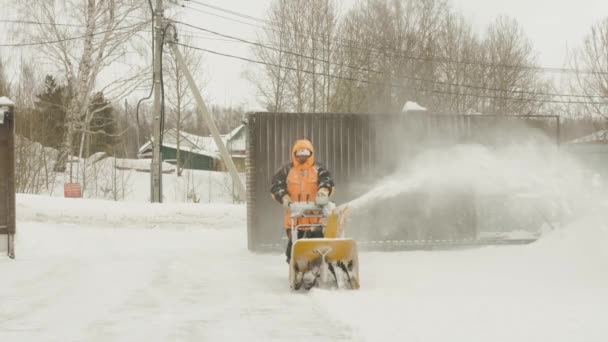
point(50, 113)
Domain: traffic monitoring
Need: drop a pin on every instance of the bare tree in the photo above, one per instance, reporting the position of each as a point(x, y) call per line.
point(592, 63)
point(105, 30)
point(296, 46)
point(510, 80)
point(463, 53)
point(386, 51)
point(178, 95)
point(4, 83)
point(271, 80)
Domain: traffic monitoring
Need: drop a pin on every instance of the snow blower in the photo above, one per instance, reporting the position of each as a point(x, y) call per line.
point(327, 261)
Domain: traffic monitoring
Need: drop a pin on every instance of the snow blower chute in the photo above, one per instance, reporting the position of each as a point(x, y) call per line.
point(330, 261)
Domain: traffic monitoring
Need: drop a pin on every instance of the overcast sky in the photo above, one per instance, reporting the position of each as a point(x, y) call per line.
point(552, 26)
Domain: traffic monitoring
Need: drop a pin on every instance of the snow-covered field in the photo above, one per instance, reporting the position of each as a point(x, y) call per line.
point(102, 270)
point(92, 270)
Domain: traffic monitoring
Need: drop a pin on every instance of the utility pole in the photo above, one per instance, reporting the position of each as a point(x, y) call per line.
point(156, 195)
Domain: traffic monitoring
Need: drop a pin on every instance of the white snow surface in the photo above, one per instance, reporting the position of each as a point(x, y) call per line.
point(95, 270)
point(98, 270)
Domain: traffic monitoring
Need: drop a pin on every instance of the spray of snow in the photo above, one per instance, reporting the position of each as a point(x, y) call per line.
point(512, 169)
point(515, 180)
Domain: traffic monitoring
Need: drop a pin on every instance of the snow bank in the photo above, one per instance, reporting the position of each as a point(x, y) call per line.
point(74, 280)
point(412, 107)
point(129, 180)
point(33, 208)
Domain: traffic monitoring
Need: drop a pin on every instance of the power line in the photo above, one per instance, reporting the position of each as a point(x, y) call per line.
point(388, 84)
point(385, 73)
point(10, 21)
point(371, 48)
point(71, 38)
point(225, 10)
point(227, 18)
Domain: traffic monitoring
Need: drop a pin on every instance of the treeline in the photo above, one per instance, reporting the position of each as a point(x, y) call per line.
point(380, 54)
point(112, 129)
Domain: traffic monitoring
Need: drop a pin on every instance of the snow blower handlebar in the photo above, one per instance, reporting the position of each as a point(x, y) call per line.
point(307, 209)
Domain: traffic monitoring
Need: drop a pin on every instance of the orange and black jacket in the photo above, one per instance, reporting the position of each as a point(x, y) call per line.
point(306, 187)
point(300, 181)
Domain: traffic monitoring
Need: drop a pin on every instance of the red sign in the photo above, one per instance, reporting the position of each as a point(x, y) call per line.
point(72, 190)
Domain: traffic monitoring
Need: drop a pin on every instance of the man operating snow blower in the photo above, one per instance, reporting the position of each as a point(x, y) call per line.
point(301, 180)
point(317, 252)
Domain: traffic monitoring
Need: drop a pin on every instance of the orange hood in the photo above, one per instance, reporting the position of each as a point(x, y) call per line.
point(303, 143)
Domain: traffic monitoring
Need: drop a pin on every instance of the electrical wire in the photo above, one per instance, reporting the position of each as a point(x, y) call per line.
point(385, 73)
point(11, 21)
point(371, 48)
point(70, 38)
point(390, 84)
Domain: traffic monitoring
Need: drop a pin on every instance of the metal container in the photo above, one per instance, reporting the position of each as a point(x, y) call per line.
point(7, 177)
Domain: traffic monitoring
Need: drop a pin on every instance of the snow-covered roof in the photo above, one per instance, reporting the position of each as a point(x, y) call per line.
point(141, 165)
point(5, 101)
point(412, 107)
point(234, 132)
point(600, 137)
point(197, 144)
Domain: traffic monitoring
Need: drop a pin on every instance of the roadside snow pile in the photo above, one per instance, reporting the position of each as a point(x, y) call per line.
point(129, 180)
point(32, 208)
point(581, 244)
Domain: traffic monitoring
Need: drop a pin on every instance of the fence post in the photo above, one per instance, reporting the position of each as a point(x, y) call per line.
point(7, 177)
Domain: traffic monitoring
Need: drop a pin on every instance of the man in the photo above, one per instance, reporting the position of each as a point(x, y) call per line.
point(301, 180)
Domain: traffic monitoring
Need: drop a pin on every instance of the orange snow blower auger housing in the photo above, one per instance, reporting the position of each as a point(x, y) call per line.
point(327, 262)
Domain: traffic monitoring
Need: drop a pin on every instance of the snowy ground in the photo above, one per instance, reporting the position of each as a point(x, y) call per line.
point(90, 270)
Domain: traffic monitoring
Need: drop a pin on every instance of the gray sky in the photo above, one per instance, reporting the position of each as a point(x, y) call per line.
point(552, 26)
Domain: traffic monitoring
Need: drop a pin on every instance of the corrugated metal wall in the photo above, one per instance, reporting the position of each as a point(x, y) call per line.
point(359, 149)
point(7, 184)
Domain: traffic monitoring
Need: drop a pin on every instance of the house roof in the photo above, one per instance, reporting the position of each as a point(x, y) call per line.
point(5, 101)
point(599, 137)
point(194, 143)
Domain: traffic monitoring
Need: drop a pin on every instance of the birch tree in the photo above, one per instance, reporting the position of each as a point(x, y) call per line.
point(296, 47)
point(100, 37)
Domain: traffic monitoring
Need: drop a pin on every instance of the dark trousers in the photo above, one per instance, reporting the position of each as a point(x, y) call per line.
point(311, 234)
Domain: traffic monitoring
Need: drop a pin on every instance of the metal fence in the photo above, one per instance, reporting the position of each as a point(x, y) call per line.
point(7, 177)
point(360, 148)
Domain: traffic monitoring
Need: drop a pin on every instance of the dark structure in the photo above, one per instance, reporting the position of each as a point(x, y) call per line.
point(7, 177)
point(361, 149)
point(198, 152)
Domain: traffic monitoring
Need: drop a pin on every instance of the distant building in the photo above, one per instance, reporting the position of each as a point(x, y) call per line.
point(592, 151)
point(198, 152)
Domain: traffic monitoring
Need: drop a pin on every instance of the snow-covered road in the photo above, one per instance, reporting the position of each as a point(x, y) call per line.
point(81, 276)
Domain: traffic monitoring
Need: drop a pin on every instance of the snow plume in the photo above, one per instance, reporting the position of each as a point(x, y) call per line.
point(521, 186)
